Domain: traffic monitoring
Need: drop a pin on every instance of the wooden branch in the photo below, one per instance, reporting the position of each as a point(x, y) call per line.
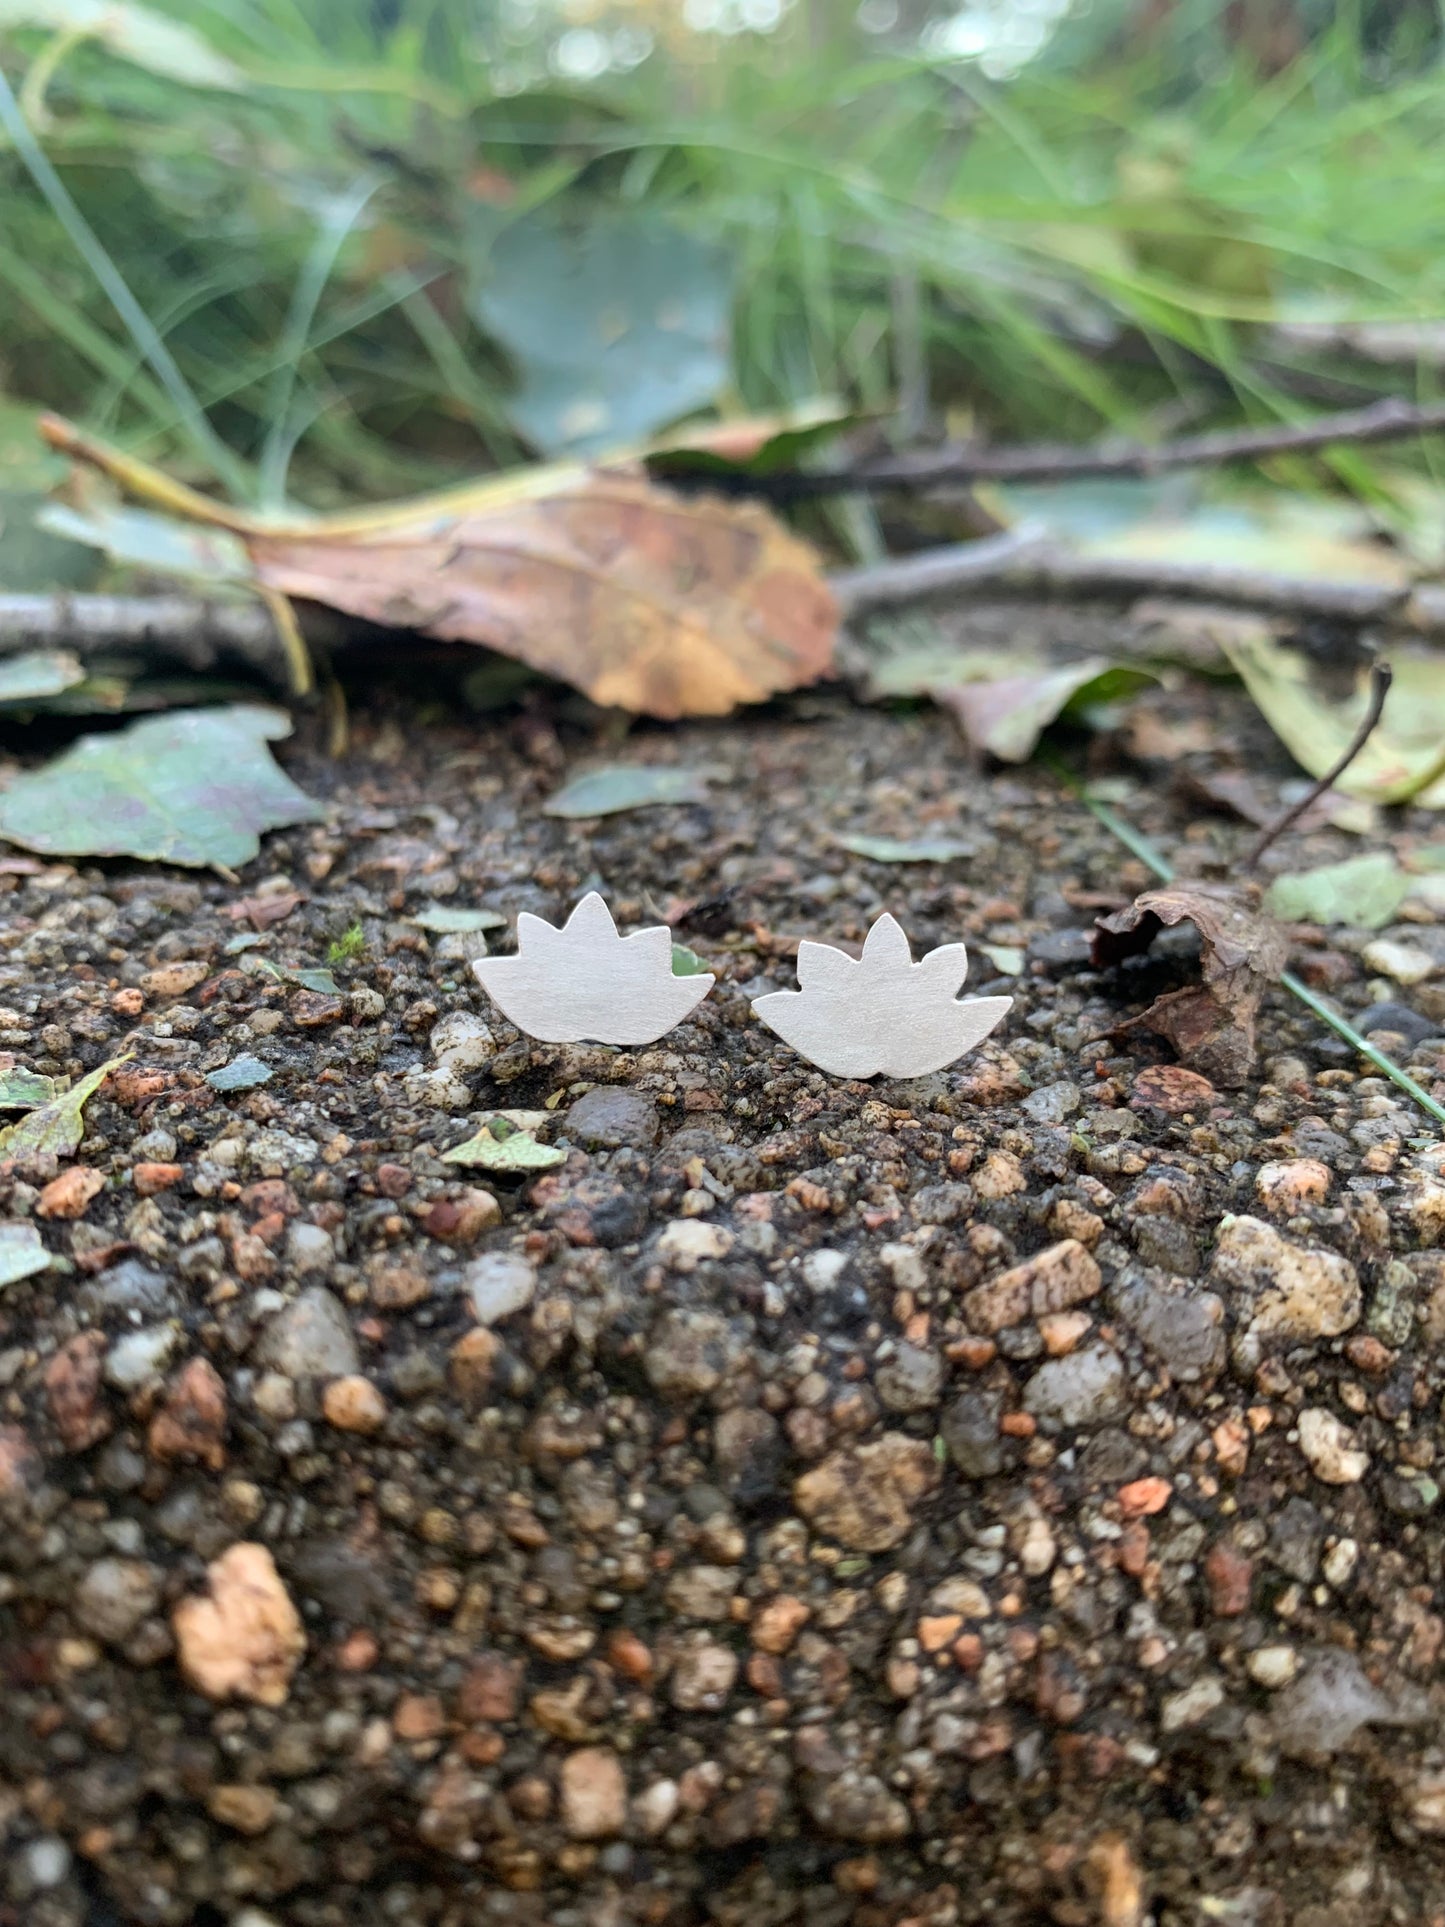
point(1024, 564)
point(957, 465)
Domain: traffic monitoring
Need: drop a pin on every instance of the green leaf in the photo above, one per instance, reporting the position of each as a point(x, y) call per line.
point(21, 1253)
point(22, 1090)
point(503, 1145)
point(161, 46)
point(603, 792)
point(687, 963)
point(243, 1073)
point(195, 787)
point(38, 673)
point(59, 1125)
point(616, 328)
point(141, 539)
point(923, 849)
point(307, 976)
point(447, 921)
point(1365, 891)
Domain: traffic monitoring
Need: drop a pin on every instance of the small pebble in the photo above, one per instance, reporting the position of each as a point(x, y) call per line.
point(499, 1283)
point(353, 1404)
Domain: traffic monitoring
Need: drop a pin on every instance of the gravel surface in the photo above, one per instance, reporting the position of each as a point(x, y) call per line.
point(1005, 1497)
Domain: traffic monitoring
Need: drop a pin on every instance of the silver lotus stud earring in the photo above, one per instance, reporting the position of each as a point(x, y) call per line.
point(882, 1013)
point(585, 983)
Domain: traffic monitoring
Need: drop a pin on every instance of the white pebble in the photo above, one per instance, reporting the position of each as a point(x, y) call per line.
point(500, 1283)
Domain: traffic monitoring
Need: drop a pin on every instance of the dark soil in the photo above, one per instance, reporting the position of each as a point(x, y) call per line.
point(790, 1555)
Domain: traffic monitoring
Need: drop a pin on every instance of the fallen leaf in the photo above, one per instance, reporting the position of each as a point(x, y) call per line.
point(38, 673)
point(59, 1125)
point(616, 327)
point(1006, 716)
point(605, 792)
point(687, 963)
point(243, 1073)
point(645, 599)
point(443, 920)
point(1364, 891)
point(923, 849)
point(1316, 712)
point(195, 787)
point(262, 912)
point(21, 1253)
point(1211, 1024)
point(503, 1146)
point(22, 1090)
point(307, 977)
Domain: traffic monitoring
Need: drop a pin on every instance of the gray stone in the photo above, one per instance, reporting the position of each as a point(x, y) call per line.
point(133, 1286)
point(115, 1596)
point(1052, 1103)
point(498, 1284)
point(139, 1356)
point(970, 1432)
point(311, 1338)
point(1296, 1540)
point(1083, 1388)
point(309, 1248)
point(612, 1115)
point(912, 1380)
point(1183, 1328)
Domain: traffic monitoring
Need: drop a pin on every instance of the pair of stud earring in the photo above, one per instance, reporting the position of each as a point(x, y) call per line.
point(878, 1014)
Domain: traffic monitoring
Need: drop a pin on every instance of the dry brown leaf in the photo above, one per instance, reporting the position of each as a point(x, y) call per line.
point(644, 598)
point(649, 601)
point(1211, 1024)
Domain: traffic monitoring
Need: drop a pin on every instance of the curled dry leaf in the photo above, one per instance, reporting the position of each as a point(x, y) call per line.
point(1211, 1024)
point(647, 601)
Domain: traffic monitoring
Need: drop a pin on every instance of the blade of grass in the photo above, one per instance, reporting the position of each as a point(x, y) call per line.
point(207, 443)
point(282, 434)
point(1140, 846)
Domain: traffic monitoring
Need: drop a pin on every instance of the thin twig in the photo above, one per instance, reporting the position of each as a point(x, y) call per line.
point(1381, 676)
point(1028, 561)
point(955, 464)
point(1135, 841)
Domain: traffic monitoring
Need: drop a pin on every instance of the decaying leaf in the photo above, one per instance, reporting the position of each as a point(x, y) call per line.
point(1316, 712)
point(1364, 891)
point(59, 1125)
point(1003, 705)
point(194, 787)
point(1007, 715)
point(605, 792)
point(505, 1143)
point(645, 599)
point(22, 1090)
point(1211, 1024)
point(21, 1253)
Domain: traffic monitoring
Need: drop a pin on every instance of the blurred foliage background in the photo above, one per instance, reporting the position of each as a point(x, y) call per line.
point(354, 248)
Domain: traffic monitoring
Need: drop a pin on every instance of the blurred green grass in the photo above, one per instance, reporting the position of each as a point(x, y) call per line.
point(1123, 237)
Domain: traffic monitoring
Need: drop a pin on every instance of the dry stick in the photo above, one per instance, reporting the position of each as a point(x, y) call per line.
point(955, 464)
point(1135, 841)
point(1381, 676)
point(1029, 562)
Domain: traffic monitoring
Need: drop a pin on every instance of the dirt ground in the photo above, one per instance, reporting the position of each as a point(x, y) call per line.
point(1005, 1497)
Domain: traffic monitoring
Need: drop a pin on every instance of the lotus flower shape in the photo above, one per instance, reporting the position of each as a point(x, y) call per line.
point(883, 1013)
point(585, 982)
